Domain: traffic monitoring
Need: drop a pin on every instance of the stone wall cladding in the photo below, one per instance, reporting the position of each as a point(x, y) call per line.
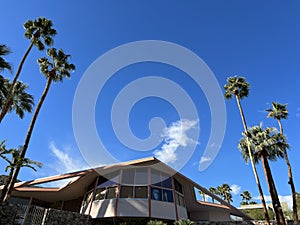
point(8, 213)
point(57, 217)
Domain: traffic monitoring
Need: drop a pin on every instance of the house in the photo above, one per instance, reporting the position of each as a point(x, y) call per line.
point(141, 189)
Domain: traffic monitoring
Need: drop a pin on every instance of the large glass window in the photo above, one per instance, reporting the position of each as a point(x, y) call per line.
point(126, 192)
point(134, 192)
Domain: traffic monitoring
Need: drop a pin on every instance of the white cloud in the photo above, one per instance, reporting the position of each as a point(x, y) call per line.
point(204, 159)
point(175, 136)
point(282, 198)
point(235, 189)
point(64, 161)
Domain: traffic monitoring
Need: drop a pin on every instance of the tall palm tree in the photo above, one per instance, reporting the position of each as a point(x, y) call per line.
point(4, 50)
point(55, 69)
point(35, 30)
point(246, 198)
point(20, 101)
point(278, 112)
point(239, 88)
point(203, 195)
point(213, 191)
point(266, 144)
point(15, 161)
point(225, 192)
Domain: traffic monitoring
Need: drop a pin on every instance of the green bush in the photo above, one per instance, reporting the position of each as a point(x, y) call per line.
point(183, 222)
point(156, 222)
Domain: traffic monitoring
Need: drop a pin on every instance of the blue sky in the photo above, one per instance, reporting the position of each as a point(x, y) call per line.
point(254, 39)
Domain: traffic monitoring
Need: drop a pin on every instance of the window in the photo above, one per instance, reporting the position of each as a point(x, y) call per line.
point(180, 199)
point(128, 177)
point(141, 192)
point(178, 186)
point(111, 192)
point(126, 192)
point(100, 194)
point(167, 196)
point(156, 194)
point(134, 192)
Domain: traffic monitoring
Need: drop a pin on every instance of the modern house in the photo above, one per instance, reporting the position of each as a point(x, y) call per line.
point(141, 189)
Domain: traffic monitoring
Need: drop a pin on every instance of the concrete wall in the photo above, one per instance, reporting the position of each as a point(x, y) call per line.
point(103, 208)
point(164, 210)
point(182, 214)
point(133, 207)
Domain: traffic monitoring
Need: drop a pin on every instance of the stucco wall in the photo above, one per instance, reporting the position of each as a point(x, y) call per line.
point(133, 207)
point(103, 208)
point(163, 210)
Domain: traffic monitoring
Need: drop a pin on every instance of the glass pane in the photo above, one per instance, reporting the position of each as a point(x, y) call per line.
point(100, 194)
point(155, 178)
point(128, 177)
point(167, 183)
point(141, 192)
point(156, 194)
point(111, 192)
point(178, 186)
point(141, 176)
point(126, 192)
point(167, 196)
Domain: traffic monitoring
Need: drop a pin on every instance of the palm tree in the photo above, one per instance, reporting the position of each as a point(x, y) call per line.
point(213, 191)
point(4, 50)
point(246, 198)
point(265, 145)
point(16, 161)
point(54, 70)
point(184, 222)
point(20, 101)
point(225, 192)
point(278, 112)
point(238, 87)
point(34, 31)
point(203, 195)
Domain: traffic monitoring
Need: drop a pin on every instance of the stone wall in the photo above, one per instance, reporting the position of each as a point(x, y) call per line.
point(8, 213)
point(56, 217)
point(11, 214)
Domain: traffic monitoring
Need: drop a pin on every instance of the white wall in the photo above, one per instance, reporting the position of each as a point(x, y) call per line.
point(182, 214)
point(103, 208)
point(133, 207)
point(164, 210)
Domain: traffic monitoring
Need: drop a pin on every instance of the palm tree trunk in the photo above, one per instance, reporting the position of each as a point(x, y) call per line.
point(262, 198)
point(273, 192)
point(28, 136)
point(7, 105)
point(291, 180)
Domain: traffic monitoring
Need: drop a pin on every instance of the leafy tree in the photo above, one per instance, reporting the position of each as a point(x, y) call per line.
point(258, 214)
point(266, 144)
point(55, 68)
point(239, 88)
point(246, 198)
point(35, 31)
point(279, 112)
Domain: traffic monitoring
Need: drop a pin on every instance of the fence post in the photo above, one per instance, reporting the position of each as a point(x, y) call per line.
point(44, 217)
point(27, 211)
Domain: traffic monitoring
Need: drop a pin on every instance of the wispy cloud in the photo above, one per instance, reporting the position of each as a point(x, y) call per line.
point(64, 161)
point(175, 136)
point(282, 198)
point(235, 189)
